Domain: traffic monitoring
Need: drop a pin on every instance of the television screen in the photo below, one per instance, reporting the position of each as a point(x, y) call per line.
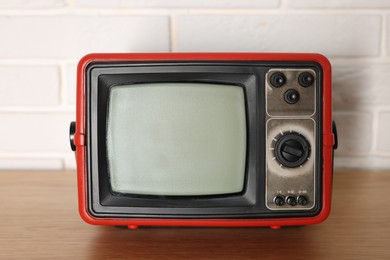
point(176, 139)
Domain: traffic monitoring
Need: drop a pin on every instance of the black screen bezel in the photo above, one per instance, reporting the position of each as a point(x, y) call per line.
point(249, 203)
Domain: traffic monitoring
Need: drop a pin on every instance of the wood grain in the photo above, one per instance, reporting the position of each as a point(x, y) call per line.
point(39, 220)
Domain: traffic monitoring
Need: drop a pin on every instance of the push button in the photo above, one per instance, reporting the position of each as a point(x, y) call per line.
point(291, 200)
point(279, 200)
point(302, 200)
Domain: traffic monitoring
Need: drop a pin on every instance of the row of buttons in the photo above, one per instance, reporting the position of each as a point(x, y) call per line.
point(291, 200)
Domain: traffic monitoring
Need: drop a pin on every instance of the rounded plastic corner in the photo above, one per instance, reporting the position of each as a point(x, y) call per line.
point(86, 216)
point(86, 59)
point(323, 61)
point(89, 57)
point(322, 216)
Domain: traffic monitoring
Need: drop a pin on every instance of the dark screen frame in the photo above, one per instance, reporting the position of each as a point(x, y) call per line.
point(249, 203)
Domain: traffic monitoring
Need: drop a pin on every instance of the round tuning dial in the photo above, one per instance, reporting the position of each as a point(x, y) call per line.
point(291, 149)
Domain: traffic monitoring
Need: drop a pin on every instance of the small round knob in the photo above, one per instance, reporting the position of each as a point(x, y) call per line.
point(277, 79)
point(291, 149)
point(306, 79)
point(291, 96)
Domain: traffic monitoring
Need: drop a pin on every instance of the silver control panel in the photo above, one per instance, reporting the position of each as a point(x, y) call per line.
point(290, 139)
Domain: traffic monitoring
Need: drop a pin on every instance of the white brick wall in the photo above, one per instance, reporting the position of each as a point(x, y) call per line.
point(383, 144)
point(178, 3)
point(19, 83)
point(281, 33)
point(71, 36)
point(347, 4)
point(42, 41)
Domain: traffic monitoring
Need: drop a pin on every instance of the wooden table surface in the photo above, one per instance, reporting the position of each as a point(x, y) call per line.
point(39, 220)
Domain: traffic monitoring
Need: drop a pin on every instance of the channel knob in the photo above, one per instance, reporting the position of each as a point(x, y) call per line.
point(291, 149)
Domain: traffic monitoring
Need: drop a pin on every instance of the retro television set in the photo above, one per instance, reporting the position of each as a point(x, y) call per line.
point(204, 139)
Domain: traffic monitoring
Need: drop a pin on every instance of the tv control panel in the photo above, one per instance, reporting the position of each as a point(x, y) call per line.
point(291, 118)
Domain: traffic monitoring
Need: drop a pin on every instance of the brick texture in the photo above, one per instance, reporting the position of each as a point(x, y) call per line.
point(29, 85)
point(383, 141)
point(339, 4)
point(42, 41)
point(31, 163)
point(179, 3)
point(23, 4)
point(362, 84)
point(388, 35)
point(354, 133)
point(281, 33)
point(74, 36)
point(35, 132)
point(71, 72)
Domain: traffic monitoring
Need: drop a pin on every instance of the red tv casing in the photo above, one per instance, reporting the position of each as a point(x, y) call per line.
point(328, 138)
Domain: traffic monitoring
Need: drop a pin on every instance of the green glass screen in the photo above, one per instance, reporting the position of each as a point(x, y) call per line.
point(176, 139)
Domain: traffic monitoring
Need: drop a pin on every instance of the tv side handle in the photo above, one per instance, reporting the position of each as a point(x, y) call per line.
point(72, 131)
point(336, 140)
